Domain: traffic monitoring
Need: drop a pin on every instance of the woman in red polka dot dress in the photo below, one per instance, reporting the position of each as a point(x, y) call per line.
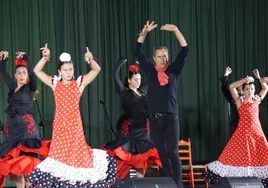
point(246, 153)
point(71, 162)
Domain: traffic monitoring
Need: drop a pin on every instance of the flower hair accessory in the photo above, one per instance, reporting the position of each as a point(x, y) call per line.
point(65, 57)
point(20, 62)
point(134, 68)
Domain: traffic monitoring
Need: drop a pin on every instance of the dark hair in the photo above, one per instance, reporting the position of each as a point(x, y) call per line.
point(62, 63)
point(159, 48)
point(244, 85)
point(18, 66)
point(129, 76)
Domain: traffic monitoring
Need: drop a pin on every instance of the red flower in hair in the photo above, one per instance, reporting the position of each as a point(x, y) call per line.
point(20, 62)
point(134, 68)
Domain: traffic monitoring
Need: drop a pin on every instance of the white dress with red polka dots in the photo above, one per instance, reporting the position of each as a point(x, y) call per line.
point(70, 160)
point(246, 153)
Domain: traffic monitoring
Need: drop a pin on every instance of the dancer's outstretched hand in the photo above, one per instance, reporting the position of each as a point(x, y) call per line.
point(3, 55)
point(228, 71)
point(248, 79)
point(45, 51)
point(256, 73)
point(148, 27)
point(19, 55)
point(88, 55)
point(169, 27)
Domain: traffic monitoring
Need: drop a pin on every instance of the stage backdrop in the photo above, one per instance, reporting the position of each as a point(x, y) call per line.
point(219, 34)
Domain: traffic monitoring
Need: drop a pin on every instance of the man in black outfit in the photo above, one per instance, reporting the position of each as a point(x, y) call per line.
point(162, 98)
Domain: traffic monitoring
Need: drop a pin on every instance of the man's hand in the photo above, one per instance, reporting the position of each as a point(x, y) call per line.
point(169, 27)
point(148, 27)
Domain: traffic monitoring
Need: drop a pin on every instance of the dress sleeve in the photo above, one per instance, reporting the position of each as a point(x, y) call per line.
point(79, 80)
point(55, 79)
point(180, 60)
point(145, 64)
point(225, 89)
point(5, 76)
point(32, 76)
point(118, 83)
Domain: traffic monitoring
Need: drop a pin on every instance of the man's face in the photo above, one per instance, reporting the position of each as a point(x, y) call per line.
point(161, 58)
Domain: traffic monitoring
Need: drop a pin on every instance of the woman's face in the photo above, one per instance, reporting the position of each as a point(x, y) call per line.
point(67, 71)
point(249, 91)
point(21, 75)
point(135, 81)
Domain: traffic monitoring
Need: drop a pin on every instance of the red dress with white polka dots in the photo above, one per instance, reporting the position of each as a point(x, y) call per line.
point(71, 162)
point(246, 154)
point(68, 142)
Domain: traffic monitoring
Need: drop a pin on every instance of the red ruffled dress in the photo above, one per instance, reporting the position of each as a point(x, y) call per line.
point(246, 153)
point(71, 162)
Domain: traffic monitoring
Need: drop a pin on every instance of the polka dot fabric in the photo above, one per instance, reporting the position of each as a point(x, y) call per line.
point(71, 162)
point(246, 153)
point(41, 179)
point(68, 142)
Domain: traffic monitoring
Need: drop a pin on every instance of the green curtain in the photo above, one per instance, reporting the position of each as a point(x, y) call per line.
point(219, 33)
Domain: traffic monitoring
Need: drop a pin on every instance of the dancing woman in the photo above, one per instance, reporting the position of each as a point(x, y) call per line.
point(132, 147)
point(245, 155)
point(71, 162)
point(19, 153)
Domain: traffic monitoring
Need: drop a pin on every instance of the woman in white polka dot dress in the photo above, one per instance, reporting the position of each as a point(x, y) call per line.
point(246, 153)
point(71, 162)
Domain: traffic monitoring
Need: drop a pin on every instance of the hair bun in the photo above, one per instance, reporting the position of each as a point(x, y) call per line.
point(134, 68)
point(65, 57)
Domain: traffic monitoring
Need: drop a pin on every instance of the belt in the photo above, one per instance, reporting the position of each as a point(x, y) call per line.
point(158, 115)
